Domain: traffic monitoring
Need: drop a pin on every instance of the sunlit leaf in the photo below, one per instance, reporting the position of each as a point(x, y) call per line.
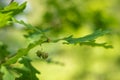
point(10, 11)
point(14, 7)
point(7, 75)
point(4, 18)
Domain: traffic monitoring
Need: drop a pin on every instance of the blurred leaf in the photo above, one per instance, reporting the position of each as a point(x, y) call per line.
point(4, 18)
point(93, 44)
point(28, 71)
point(32, 31)
point(4, 53)
point(9, 11)
point(29, 26)
point(14, 7)
point(22, 52)
point(7, 75)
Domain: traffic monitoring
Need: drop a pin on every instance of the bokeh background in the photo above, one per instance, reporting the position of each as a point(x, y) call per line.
point(66, 17)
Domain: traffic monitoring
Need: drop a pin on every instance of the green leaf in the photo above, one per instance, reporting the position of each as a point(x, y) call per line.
point(88, 39)
point(28, 26)
point(9, 11)
point(19, 54)
point(4, 53)
point(93, 44)
point(33, 32)
point(4, 18)
point(7, 75)
point(14, 7)
point(11, 7)
point(28, 71)
point(23, 52)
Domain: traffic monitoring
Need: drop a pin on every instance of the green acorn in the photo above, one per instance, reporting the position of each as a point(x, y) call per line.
point(45, 56)
point(42, 55)
point(39, 53)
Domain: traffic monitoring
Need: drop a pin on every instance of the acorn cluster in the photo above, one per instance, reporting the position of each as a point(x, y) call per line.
point(42, 55)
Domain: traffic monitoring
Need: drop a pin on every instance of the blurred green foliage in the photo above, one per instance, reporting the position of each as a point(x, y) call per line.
point(79, 17)
point(60, 18)
point(8, 12)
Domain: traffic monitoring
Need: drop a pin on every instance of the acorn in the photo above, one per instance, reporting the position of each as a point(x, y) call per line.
point(39, 53)
point(45, 55)
point(42, 55)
